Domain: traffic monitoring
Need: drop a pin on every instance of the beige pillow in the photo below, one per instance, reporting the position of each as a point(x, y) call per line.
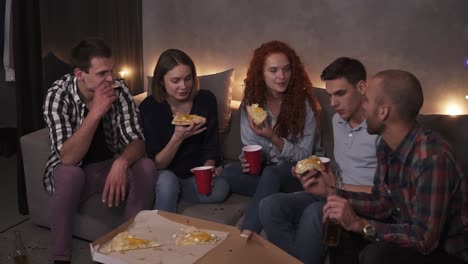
point(220, 84)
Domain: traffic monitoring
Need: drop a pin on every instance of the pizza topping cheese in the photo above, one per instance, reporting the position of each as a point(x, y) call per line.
point(194, 236)
point(126, 241)
point(257, 114)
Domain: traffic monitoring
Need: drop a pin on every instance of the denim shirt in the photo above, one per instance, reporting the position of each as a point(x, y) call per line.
point(306, 145)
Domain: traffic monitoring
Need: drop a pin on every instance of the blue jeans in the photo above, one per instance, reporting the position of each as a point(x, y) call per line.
point(293, 222)
point(355, 249)
point(169, 186)
point(273, 179)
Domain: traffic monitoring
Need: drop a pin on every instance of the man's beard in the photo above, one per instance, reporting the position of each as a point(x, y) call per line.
point(375, 128)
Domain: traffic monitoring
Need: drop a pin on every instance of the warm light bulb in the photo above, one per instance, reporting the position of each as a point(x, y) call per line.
point(466, 97)
point(123, 73)
point(453, 109)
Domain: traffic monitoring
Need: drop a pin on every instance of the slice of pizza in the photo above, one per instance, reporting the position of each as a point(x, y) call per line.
point(257, 114)
point(194, 236)
point(186, 119)
point(126, 241)
point(312, 162)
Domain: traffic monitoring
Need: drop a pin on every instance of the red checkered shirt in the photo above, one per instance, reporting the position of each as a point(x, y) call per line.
point(420, 195)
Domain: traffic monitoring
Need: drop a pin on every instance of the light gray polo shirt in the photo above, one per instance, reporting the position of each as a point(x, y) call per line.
point(355, 152)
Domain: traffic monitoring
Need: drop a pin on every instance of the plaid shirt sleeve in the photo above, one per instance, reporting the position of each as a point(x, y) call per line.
point(375, 205)
point(56, 109)
point(128, 118)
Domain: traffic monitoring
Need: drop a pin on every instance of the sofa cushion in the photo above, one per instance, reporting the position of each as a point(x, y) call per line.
point(220, 84)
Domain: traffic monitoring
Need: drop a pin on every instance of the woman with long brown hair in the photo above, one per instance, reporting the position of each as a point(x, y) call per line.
point(176, 149)
point(277, 81)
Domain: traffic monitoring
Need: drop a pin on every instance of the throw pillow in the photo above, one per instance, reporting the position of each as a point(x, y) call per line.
point(220, 84)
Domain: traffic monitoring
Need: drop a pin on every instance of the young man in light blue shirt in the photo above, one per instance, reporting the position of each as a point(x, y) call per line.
point(293, 221)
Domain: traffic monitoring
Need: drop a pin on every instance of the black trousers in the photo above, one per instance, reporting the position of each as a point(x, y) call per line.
point(354, 249)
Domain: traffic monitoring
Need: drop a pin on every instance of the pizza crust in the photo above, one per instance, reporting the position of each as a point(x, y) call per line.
point(312, 162)
point(186, 119)
point(257, 114)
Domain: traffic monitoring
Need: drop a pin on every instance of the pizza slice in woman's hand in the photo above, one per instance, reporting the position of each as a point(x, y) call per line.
point(187, 120)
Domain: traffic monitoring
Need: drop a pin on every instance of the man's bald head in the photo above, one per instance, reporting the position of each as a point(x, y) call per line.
point(403, 91)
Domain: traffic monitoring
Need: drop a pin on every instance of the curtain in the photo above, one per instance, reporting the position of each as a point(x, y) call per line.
point(118, 22)
point(28, 76)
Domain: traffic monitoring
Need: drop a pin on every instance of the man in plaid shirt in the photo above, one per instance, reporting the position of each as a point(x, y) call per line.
point(97, 144)
point(418, 209)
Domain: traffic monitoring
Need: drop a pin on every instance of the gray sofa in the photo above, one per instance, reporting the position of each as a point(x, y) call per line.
point(95, 219)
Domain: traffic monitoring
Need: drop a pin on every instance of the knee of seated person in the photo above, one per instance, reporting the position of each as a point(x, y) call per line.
point(145, 167)
point(231, 170)
point(268, 170)
point(313, 213)
point(221, 183)
point(374, 253)
point(68, 173)
point(145, 164)
point(166, 180)
point(269, 204)
point(271, 172)
point(222, 189)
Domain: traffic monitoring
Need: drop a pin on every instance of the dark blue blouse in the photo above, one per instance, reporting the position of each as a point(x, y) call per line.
point(194, 151)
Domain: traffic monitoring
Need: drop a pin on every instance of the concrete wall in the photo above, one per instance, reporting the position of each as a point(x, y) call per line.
point(426, 37)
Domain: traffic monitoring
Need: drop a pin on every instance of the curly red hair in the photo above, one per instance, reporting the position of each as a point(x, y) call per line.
point(291, 118)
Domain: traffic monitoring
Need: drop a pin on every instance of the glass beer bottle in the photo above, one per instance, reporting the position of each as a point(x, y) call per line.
point(19, 255)
point(331, 228)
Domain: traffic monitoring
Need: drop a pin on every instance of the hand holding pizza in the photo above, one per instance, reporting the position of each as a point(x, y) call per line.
point(264, 131)
point(313, 177)
point(182, 132)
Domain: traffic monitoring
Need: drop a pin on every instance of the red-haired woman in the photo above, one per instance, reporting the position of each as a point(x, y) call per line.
point(277, 81)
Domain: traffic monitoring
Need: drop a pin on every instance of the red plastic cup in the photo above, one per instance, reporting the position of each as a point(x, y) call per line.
point(326, 163)
point(203, 178)
point(253, 156)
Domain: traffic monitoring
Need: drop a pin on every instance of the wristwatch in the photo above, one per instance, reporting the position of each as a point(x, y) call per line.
point(369, 231)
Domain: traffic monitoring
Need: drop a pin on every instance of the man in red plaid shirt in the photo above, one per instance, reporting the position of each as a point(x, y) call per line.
point(418, 209)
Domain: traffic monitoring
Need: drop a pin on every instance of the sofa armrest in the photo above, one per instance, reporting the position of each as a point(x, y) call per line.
point(35, 151)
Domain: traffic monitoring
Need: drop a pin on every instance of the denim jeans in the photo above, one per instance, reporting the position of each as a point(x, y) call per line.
point(355, 249)
point(273, 179)
point(169, 187)
point(293, 222)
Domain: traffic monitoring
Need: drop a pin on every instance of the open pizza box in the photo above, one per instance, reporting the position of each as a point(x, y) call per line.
point(231, 248)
